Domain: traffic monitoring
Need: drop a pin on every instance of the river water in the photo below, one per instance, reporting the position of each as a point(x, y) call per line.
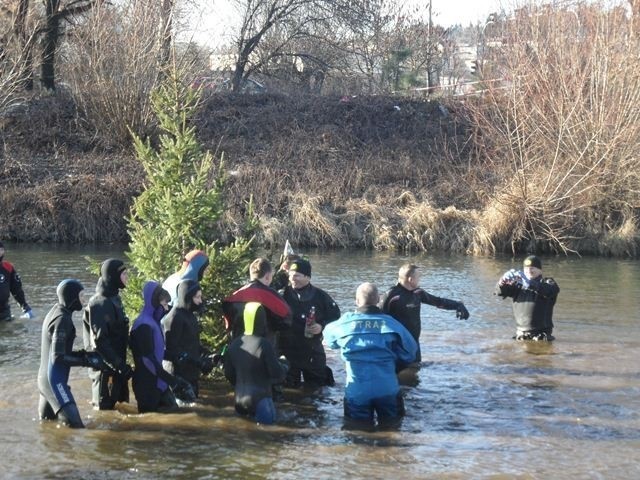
point(485, 405)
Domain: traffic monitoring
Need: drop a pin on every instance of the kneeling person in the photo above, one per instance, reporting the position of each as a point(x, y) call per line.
point(372, 345)
point(252, 367)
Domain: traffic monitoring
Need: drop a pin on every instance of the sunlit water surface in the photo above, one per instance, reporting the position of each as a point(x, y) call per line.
point(485, 406)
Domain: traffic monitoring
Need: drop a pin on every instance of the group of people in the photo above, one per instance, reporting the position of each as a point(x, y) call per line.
point(278, 325)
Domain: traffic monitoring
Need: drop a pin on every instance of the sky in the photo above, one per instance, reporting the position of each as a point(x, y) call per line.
point(207, 25)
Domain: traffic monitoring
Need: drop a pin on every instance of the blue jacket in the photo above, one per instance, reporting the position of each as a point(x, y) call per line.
point(192, 269)
point(372, 344)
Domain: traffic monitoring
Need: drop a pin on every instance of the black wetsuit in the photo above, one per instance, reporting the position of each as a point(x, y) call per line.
point(404, 305)
point(252, 366)
point(150, 380)
point(106, 331)
point(182, 336)
point(10, 284)
point(532, 306)
point(278, 313)
point(307, 355)
point(57, 357)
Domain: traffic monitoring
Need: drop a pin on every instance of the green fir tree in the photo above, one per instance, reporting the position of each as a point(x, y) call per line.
point(180, 209)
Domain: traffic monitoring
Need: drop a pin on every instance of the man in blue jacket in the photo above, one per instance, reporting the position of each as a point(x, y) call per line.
point(372, 345)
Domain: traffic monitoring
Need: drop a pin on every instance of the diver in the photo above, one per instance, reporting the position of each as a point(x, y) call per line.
point(153, 386)
point(533, 296)
point(184, 354)
point(253, 368)
point(57, 357)
point(106, 331)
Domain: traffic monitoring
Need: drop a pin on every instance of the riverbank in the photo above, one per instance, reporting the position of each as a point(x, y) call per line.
point(371, 172)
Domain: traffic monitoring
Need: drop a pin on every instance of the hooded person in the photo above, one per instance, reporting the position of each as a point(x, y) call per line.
point(57, 357)
point(184, 355)
point(533, 297)
point(11, 285)
point(152, 385)
point(193, 266)
point(253, 368)
point(106, 331)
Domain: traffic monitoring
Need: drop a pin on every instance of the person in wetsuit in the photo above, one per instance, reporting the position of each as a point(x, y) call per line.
point(184, 355)
point(252, 367)
point(193, 267)
point(106, 331)
point(403, 302)
point(11, 284)
point(57, 357)
point(373, 345)
point(257, 290)
point(152, 385)
point(306, 355)
point(533, 296)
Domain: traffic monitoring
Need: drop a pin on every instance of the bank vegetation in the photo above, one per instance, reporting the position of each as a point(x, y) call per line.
point(543, 156)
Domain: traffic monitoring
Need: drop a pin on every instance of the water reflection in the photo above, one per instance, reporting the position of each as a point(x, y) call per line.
point(484, 405)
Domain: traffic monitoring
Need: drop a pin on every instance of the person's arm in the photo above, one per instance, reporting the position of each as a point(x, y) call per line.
point(331, 310)
point(276, 371)
point(443, 303)
point(545, 287)
point(145, 347)
point(99, 318)
point(404, 346)
point(229, 368)
point(15, 286)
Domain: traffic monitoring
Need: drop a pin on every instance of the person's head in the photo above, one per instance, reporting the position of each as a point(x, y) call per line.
point(288, 260)
point(532, 266)
point(300, 273)
point(157, 299)
point(260, 269)
point(193, 265)
point(409, 276)
point(189, 295)
point(70, 294)
point(367, 294)
point(114, 274)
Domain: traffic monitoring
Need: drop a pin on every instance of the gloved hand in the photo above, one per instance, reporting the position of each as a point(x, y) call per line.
point(126, 371)
point(93, 360)
point(462, 312)
point(284, 363)
point(183, 390)
point(206, 364)
point(28, 314)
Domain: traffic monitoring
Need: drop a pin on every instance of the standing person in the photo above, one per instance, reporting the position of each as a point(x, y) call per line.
point(252, 367)
point(57, 357)
point(312, 310)
point(193, 267)
point(403, 302)
point(534, 297)
point(278, 313)
point(106, 331)
point(153, 386)
point(184, 355)
point(373, 345)
point(11, 284)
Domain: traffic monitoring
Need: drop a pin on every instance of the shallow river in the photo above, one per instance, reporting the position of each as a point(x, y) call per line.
point(485, 406)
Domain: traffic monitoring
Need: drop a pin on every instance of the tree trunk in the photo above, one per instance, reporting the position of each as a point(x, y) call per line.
point(50, 44)
point(20, 31)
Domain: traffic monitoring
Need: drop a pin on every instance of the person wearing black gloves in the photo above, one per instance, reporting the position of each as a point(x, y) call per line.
point(153, 386)
point(106, 331)
point(57, 357)
point(534, 297)
point(253, 368)
point(312, 309)
point(403, 302)
point(11, 284)
point(184, 355)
